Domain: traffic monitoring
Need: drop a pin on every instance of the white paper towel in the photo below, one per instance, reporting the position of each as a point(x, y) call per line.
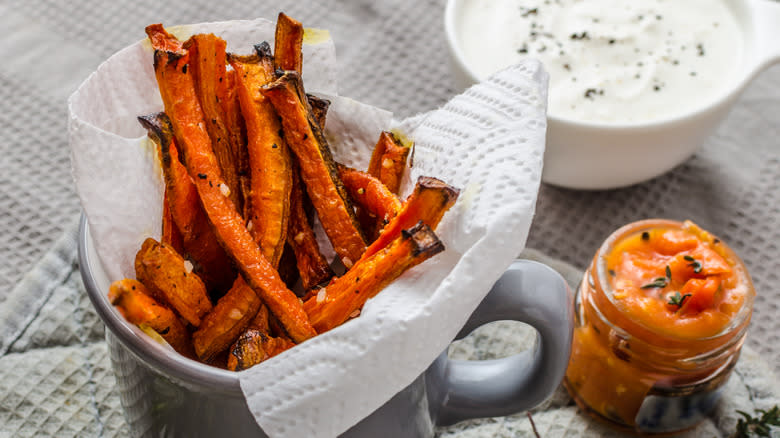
point(488, 142)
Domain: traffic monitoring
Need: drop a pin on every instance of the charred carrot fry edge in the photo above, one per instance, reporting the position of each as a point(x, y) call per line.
point(319, 108)
point(253, 347)
point(320, 176)
point(344, 297)
point(428, 202)
point(187, 118)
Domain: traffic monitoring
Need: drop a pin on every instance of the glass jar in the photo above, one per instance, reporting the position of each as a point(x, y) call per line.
point(643, 378)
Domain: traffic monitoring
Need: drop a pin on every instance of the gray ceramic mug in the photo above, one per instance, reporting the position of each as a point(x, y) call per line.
point(164, 394)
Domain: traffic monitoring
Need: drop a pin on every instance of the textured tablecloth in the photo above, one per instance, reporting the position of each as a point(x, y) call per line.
point(53, 367)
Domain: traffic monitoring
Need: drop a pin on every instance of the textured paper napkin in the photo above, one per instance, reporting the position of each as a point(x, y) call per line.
point(489, 142)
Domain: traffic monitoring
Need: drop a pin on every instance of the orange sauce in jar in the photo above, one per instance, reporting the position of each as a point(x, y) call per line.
point(661, 315)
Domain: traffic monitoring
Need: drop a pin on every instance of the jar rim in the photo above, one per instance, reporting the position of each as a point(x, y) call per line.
point(740, 318)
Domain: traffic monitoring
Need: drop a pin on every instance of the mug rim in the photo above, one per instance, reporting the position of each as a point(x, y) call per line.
point(162, 359)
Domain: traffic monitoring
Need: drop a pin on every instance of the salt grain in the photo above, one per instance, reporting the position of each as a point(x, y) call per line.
point(347, 262)
point(188, 266)
point(321, 295)
point(298, 238)
point(224, 189)
point(355, 314)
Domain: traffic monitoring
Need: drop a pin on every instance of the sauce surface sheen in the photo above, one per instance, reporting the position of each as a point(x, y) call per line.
point(680, 282)
point(610, 61)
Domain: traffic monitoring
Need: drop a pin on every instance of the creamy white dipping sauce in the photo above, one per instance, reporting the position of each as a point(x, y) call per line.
point(611, 61)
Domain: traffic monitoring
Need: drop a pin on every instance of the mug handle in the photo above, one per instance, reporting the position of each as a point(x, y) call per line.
point(528, 292)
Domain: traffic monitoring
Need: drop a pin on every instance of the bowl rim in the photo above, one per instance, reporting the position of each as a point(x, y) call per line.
point(725, 97)
point(161, 359)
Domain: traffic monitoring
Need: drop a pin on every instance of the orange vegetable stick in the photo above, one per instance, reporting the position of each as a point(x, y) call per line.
point(132, 300)
point(370, 194)
point(327, 193)
point(344, 297)
point(198, 240)
point(234, 121)
point(312, 265)
point(170, 232)
point(162, 40)
point(226, 321)
point(428, 203)
point(182, 106)
point(319, 108)
point(260, 321)
point(207, 63)
point(388, 160)
point(287, 44)
point(169, 279)
point(269, 157)
point(253, 347)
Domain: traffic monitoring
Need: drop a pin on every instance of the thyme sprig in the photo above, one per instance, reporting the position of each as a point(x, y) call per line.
point(759, 425)
point(695, 264)
point(677, 299)
point(660, 282)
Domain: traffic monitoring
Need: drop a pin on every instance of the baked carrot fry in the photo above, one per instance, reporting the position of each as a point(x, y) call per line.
point(260, 321)
point(428, 202)
point(253, 347)
point(198, 240)
point(170, 232)
point(370, 194)
point(162, 40)
point(288, 41)
point(207, 63)
point(388, 160)
point(187, 119)
point(319, 108)
point(132, 300)
point(234, 121)
point(344, 297)
point(269, 157)
point(226, 321)
point(313, 267)
point(317, 167)
point(170, 279)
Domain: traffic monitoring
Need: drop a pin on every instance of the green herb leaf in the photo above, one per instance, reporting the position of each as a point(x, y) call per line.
point(688, 258)
point(659, 282)
point(759, 425)
point(668, 273)
point(696, 265)
point(677, 299)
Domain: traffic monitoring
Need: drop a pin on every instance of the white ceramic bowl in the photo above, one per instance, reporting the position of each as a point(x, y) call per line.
point(586, 155)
